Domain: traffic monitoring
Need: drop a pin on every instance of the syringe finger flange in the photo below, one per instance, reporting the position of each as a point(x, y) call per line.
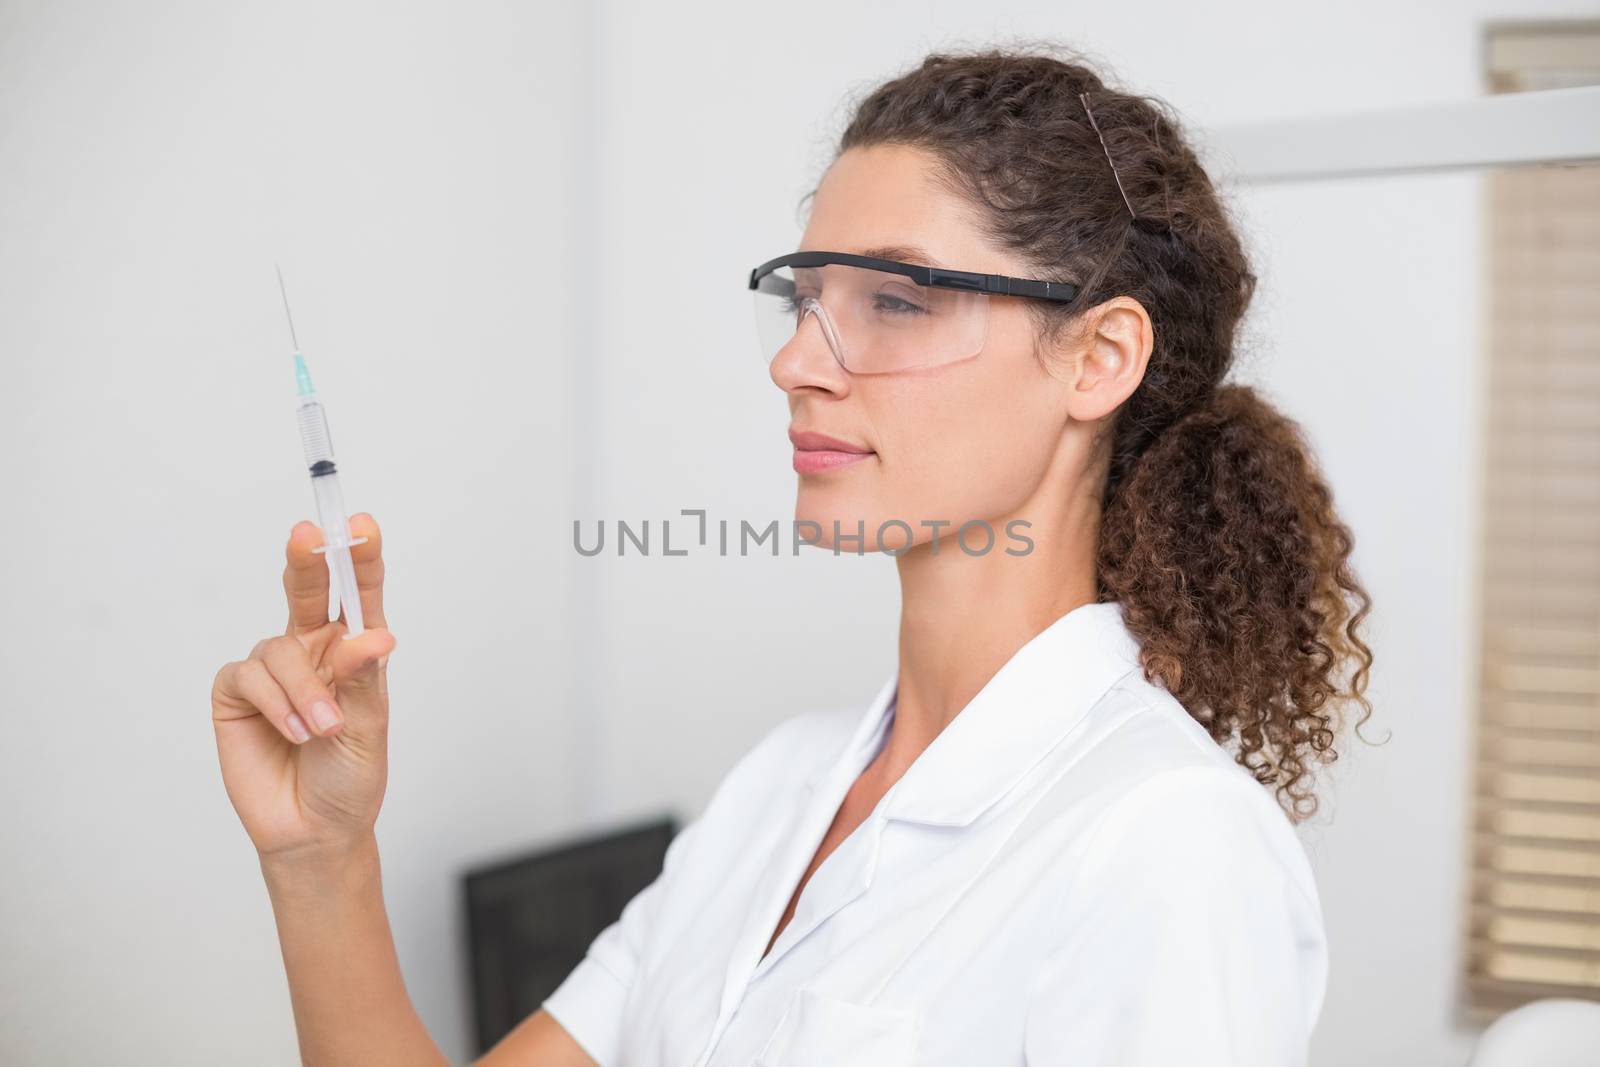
point(341, 544)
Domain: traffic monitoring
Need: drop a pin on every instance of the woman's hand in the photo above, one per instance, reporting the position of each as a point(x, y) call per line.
point(305, 778)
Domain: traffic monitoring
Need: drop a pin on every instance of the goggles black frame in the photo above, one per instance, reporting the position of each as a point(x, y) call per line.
point(937, 277)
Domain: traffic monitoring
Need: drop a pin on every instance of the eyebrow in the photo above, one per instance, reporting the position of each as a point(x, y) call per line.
point(913, 254)
point(903, 254)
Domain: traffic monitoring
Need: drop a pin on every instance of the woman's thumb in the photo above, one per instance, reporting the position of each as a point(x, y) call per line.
point(359, 666)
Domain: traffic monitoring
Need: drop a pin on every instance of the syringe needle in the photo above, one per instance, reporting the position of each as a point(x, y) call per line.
point(286, 310)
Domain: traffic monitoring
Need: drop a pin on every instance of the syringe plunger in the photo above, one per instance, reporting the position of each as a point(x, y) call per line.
point(342, 586)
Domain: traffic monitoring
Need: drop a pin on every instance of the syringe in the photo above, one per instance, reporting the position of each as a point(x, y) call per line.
point(318, 445)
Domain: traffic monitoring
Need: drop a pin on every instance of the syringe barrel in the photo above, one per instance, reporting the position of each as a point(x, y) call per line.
point(330, 508)
point(314, 436)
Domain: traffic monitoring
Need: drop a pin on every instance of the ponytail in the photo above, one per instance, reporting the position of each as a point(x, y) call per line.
point(1233, 570)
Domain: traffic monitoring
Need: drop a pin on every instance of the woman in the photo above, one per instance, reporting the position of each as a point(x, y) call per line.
point(1062, 832)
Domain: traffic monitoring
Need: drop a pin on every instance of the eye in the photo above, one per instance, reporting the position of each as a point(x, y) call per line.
point(893, 305)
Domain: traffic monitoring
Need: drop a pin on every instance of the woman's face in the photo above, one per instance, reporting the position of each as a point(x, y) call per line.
point(962, 441)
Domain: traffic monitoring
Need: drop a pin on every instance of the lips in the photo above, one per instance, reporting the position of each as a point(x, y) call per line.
point(816, 452)
point(811, 441)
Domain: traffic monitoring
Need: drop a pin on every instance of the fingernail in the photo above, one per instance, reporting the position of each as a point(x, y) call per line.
point(325, 715)
point(297, 727)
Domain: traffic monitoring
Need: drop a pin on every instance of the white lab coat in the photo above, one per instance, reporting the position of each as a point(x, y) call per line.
point(1072, 874)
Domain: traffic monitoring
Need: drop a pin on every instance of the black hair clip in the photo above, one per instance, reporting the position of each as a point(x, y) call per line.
point(1150, 225)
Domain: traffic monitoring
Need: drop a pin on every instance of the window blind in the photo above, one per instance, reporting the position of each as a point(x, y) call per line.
point(1534, 908)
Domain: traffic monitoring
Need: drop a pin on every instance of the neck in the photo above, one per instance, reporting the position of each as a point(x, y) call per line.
point(963, 616)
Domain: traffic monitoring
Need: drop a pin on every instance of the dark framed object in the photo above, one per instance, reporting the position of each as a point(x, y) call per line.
point(531, 918)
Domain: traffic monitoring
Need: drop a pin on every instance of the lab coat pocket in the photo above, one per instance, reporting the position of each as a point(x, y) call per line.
point(822, 1031)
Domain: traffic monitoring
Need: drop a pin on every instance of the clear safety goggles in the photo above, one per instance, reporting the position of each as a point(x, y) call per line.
point(880, 315)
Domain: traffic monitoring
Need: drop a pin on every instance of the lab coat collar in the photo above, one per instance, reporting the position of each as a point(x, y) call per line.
point(1034, 701)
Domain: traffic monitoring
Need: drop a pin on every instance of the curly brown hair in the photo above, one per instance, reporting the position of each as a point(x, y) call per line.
point(1218, 532)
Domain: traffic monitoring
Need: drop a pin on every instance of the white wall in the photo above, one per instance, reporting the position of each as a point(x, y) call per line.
point(516, 240)
point(413, 170)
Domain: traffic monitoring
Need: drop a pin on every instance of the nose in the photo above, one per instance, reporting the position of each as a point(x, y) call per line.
point(810, 358)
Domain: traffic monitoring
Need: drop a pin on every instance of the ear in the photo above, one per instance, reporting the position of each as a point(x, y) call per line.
point(1111, 362)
